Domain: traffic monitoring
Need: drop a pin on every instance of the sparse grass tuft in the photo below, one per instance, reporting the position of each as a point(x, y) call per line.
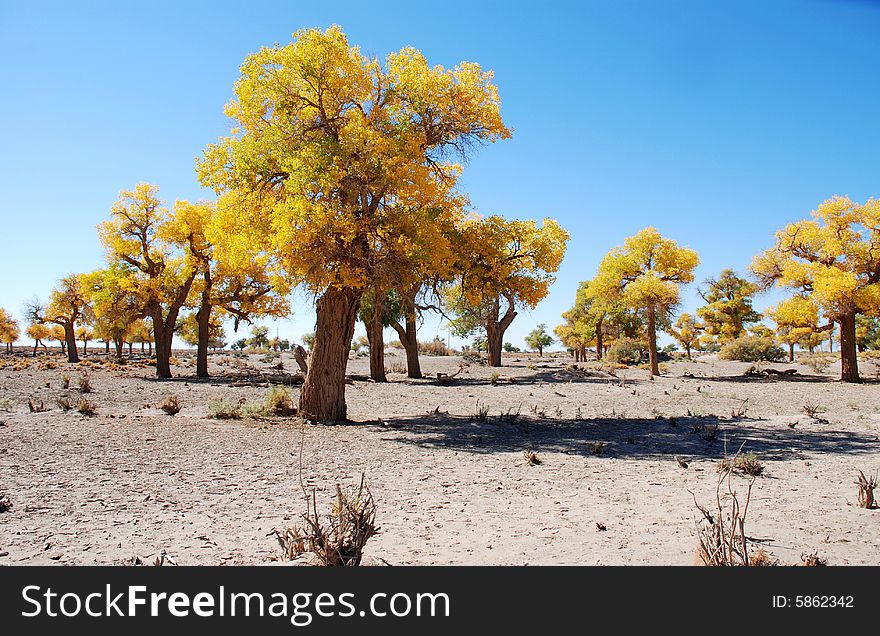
point(220, 408)
point(762, 558)
point(36, 407)
point(64, 403)
point(597, 448)
point(6, 404)
point(707, 430)
point(482, 413)
point(279, 402)
point(747, 463)
point(65, 380)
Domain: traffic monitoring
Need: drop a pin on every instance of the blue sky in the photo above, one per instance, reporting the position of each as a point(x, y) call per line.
point(715, 122)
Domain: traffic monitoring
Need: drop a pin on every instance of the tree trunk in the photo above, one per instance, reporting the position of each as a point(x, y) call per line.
point(36, 344)
point(322, 396)
point(107, 346)
point(70, 338)
point(163, 345)
point(791, 352)
point(376, 337)
point(117, 343)
point(63, 347)
point(652, 341)
point(495, 329)
point(599, 343)
point(849, 366)
point(130, 344)
point(408, 335)
point(203, 317)
point(85, 347)
point(688, 349)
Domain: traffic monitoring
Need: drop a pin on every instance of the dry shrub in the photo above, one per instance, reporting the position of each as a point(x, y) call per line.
point(762, 558)
point(752, 349)
point(341, 540)
point(171, 405)
point(721, 533)
point(597, 448)
point(531, 457)
point(6, 404)
point(64, 403)
point(866, 491)
point(435, 347)
point(86, 407)
point(707, 430)
point(812, 409)
point(5, 503)
point(279, 402)
point(494, 378)
point(396, 367)
point(747, 463)
point(36, 407)
point(813, 560)
point(65, 380)
point(164, 559)
point(84, 382)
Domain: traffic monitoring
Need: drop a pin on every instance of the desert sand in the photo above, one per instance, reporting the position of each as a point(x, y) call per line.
point(131, 482)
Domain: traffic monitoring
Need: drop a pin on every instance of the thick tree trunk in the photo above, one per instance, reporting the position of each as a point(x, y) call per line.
point(849, 365)
point(323, 393)
point(163, 345)
point(203, 317)
point(652, 341)
point(495, 329)
point(70, 338)
point(106, 346)
point(117, 344)
point(791, 352)
point(376, 337)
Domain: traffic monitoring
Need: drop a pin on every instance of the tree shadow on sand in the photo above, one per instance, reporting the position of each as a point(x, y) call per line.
point(628, 438)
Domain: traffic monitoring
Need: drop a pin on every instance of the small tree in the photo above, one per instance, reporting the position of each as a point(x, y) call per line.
point(259, 337)
point(9, 330)
point(68, 304)
point(833, 260)
point(645, 274)
point(687, 332)
point(39, 333)
point(504, 266)
point(538, 339)
point(728, 311)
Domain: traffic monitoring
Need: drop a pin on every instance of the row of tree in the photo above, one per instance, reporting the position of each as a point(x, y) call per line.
point(830, 263)
point(339, 178)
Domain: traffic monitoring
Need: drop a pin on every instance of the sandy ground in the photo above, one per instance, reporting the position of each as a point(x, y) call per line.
point(132, 481)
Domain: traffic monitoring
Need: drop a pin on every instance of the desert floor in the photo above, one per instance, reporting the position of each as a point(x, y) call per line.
point(131, 481)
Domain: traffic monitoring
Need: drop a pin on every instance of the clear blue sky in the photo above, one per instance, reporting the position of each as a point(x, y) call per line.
point(715, 122)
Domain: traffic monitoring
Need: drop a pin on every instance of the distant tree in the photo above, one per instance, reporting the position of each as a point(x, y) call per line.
point(39, 333)
point(308, 340)
point(480, 343)
point(509, 348)
point(538, 339)
point(504, 266)
point(9, 330)
point(645, 274)
point(68, 304)
point(687, 332)
point(867, 333)
point(58, 335)
point(259, 337)
point(284, 344)
point(729, 309)
point(241, 344)
point(797, 323)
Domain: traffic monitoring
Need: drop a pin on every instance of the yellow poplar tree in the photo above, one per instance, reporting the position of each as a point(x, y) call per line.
point(139, 239)
point(646, 274)
point(687, 332)
point(347, 159)
point(39, 332)
point(504, 266)
point(116, 303)
point(728, 310)
point(9, 330)
point(797, 323)
point(834, 260)
point(68, 304)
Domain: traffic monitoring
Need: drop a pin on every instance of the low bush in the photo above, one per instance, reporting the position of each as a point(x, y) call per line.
point(752, 349)
point(627, 351)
